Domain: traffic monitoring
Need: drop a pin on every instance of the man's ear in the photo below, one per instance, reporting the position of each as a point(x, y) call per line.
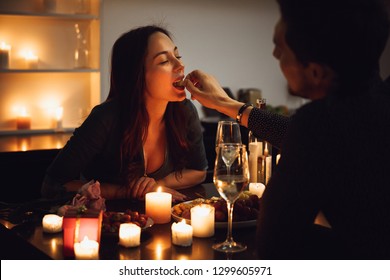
point(319, 73)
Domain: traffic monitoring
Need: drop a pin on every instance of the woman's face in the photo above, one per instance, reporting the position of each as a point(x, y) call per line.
point(163, 67)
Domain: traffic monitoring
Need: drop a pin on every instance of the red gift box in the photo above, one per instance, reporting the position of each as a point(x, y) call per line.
point(76, 225)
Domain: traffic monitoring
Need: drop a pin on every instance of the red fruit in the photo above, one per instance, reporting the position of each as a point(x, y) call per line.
point(220, 216)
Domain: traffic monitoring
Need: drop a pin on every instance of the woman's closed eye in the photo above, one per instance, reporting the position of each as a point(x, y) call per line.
point(167, 61)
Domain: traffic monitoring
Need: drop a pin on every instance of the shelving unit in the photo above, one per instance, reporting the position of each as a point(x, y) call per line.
point(53, 31)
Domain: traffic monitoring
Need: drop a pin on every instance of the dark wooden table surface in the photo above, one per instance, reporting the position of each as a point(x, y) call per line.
point(155, 241)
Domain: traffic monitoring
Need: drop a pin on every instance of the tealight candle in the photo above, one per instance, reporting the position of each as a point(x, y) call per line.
point(31, 60)
point(181, 234)
point(86, 249)
point(129, 235)
point(158, 206)
point(4, 55)
point(257, 189)
point(202, 220)
point(23, 121)
point(52, 223)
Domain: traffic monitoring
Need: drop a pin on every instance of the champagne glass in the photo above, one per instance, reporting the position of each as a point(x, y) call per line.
point(228, 132)
point(230, 181)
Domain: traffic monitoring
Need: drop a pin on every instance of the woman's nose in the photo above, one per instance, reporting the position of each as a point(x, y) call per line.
point(179, 65)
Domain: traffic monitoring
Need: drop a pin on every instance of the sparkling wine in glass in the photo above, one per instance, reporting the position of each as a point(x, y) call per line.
point(230, 181)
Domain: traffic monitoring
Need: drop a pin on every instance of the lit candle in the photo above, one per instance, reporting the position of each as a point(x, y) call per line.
point(254, 148)
point(58, 117)
point(23, 121)
point(277, 158)
point(202, 220)
point(4, 55)
point(31, 60)
point(267, 164)
point(257, 189)
point(129, 235)
point(75, 226)
point(158, 206)
point(86, 249)
point(181, 234)
point(52, 223)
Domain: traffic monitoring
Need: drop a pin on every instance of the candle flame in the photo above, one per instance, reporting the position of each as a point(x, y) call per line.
point(4, 46)
point(23, 112)
point(59, 112)
point(29, 55)
point(159, 189)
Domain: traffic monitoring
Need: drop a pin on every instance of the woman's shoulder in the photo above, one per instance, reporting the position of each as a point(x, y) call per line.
point(106, 113)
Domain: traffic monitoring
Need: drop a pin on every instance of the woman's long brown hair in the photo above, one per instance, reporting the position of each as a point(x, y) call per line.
point(128, 85)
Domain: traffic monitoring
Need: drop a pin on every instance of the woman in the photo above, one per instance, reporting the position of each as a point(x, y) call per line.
point(146, 134)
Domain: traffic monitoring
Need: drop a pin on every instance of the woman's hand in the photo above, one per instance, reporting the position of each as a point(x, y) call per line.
point(146, 184)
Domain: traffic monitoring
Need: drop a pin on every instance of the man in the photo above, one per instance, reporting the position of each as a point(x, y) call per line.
point(329, 52)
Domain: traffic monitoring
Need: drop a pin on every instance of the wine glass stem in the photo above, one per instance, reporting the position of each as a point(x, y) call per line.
point(229, 237)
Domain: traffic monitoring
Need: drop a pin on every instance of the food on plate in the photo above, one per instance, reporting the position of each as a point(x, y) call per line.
point(246, 208)
point(113, 220)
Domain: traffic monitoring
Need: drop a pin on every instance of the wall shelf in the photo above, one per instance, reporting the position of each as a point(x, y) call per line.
point(63, 37)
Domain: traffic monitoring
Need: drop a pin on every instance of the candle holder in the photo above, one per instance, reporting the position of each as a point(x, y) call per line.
point(76, 225)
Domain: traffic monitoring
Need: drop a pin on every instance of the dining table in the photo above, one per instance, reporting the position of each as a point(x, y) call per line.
point(156, 240)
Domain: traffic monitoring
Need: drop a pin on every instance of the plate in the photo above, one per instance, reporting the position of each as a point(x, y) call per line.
point(240, 224)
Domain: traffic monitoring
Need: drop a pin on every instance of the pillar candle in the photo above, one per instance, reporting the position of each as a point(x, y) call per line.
point(129, 235)
point(52, 223)
point(254, 149)
point(86, 249)
point(257, 189)
point(4, 55)
point(202, 220)
point(181, 234)
point(158, 206)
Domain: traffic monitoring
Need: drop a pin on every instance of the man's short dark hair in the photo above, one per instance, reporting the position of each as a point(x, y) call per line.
point(347, 35)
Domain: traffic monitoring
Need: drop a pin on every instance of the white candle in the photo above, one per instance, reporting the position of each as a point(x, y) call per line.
point(267, 164)
point(58, 117)
point(129, 235)
point(4, 55)
point(181, 234)
point(31, 60)
point(52, 223)
point(158, 206)
point(202, 220)
point(254, 148)
point(257, 189)
point(86, 249)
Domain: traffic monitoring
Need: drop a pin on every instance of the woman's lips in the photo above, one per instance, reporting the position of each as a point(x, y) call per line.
point(179, 84)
